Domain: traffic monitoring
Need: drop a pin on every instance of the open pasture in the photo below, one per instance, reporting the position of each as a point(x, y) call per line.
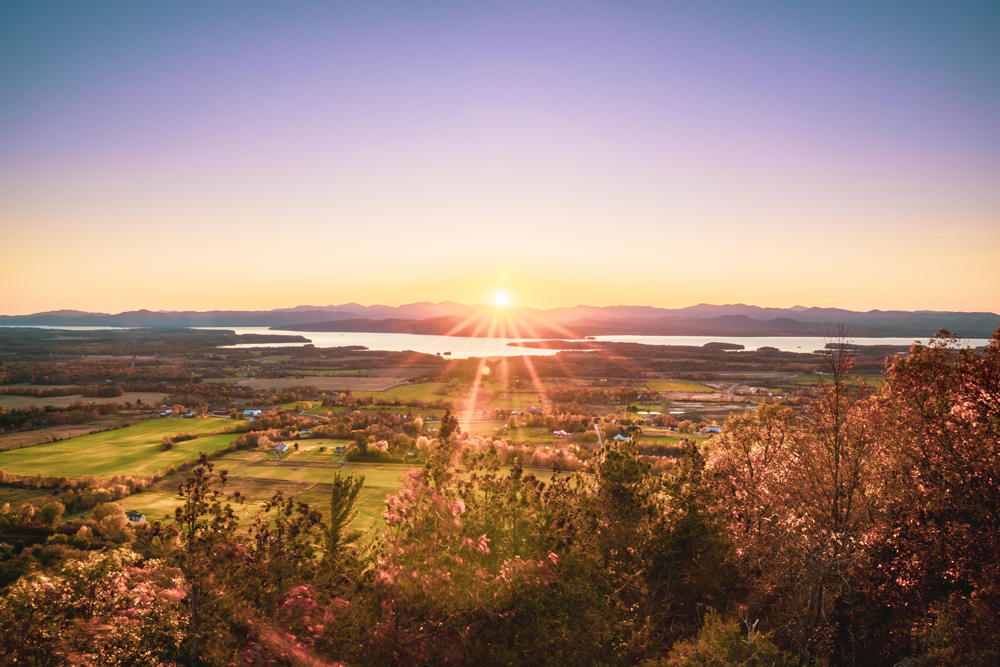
point(810, 380)
point(679, 385)
point(375, 409)
point(20, 402)
point(401, 372)
point(124, 451)
point(15, 496)
point(421, 391)
point(349, 383)
point(331, 374)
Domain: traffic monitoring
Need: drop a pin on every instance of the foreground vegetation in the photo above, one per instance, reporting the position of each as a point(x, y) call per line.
point(861, 530)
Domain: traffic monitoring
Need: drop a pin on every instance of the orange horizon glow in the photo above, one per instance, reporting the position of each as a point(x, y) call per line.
point(621, 154)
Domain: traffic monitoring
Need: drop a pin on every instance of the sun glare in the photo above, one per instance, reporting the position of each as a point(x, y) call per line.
point(500, 300)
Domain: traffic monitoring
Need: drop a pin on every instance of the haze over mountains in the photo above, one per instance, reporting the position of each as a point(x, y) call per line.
point(450, 318)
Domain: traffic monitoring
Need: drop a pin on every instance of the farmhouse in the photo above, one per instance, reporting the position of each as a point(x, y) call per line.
point(135, 517)
point(560, 434)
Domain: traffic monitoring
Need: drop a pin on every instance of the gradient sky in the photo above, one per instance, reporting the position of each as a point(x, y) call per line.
point(254, 155)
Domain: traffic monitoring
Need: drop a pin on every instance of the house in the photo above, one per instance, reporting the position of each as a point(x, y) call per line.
point(220, 413)
point(280, 447)
point(305, 432)
point(252, 413)
point(622, 437)
point(135, 517)
point(341, 449)
point(560, 434)
point(713, 429)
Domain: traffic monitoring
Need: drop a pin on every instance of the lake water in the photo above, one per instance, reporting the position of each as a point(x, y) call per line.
point(463, 348)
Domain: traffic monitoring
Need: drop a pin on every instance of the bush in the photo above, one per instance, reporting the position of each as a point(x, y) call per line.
point(166, 444)
point(182, 437)
point(52, 512)
point(723, 644)
point(75, 541)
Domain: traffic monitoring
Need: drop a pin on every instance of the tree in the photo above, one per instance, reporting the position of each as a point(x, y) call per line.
point(206, 530)
point(52, 512)
point(803, 499)
point(449, 426)
point(937, 568)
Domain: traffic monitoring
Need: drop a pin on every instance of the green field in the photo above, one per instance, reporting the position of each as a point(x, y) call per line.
point(15, 402)
point(679, 385)
point(16, 496)
point(421, 391)
point(124, 451)
point(328, 374)
point(808, 379)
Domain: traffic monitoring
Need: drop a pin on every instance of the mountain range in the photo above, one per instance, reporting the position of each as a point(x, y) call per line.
point(450, 318)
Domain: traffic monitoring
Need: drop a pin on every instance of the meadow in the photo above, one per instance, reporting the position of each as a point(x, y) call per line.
point(12, 402)
point(421, 391)
point(688, 386)
point(352, 383)
point(134, 450)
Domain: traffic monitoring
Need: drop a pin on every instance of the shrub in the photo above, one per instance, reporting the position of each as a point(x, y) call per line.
point(166, 444)
point(723, 644)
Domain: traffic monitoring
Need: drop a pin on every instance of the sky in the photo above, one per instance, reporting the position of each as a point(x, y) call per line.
point(255, 155)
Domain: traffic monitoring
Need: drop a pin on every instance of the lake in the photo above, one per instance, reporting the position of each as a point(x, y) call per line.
point(463, 348)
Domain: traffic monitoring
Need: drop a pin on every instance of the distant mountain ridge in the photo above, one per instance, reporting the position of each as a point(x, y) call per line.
point(448, 316)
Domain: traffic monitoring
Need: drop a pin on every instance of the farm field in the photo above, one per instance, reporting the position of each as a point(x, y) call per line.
point(321, 410)
point(15, 402)
point(124, 451)
point(327, 383)
point(376, 474)
point(421, 391)
point(16, 496)
point(679, 385)
point(519, 400)
point(809, 380)
point(331, 374)
point(18, 439)
point(311, 484)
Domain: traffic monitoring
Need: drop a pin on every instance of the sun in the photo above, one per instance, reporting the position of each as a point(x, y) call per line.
point(500, 300)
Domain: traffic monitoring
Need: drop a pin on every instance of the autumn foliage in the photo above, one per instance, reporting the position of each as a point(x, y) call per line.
point(860, 531)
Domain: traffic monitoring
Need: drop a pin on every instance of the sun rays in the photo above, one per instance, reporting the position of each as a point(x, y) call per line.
point(502, 322)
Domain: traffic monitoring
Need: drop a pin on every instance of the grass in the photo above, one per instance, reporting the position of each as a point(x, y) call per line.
point(16, 496)
point(132, 450)
point(679, 385)
point(13, 402)
point(810, 380)
point(420, 391)
point(329, 374)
